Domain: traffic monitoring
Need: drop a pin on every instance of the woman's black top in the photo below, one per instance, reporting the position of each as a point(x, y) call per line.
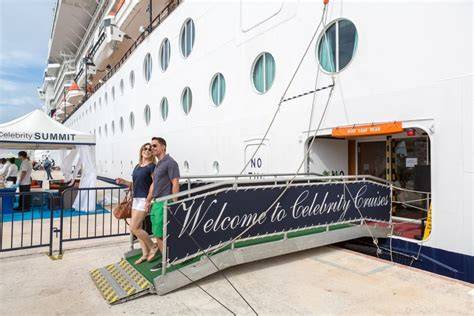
point(142, 180)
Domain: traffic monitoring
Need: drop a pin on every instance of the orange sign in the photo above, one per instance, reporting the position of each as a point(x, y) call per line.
point(367, 130)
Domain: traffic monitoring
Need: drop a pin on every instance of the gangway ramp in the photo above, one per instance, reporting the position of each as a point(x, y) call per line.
point(228, 223)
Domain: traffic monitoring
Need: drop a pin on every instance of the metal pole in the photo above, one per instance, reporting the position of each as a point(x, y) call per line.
point(85, 72)
point(150, 13)
point(165, 238)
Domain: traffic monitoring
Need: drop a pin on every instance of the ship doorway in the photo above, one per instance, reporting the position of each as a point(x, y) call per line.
point(371, 158)
point(401, 158)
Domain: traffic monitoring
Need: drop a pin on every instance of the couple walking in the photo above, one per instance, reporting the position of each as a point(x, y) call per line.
point(151, 181)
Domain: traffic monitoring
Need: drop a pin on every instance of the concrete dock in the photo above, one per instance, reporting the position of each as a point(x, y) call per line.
point(324, 281)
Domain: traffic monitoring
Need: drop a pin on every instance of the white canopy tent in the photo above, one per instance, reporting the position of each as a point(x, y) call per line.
point(37, 130)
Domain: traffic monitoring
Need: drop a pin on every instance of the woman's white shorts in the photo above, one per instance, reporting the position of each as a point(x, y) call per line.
point(138, 204)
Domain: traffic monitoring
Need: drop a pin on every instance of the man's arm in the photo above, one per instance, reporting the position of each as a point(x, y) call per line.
point(175, 187)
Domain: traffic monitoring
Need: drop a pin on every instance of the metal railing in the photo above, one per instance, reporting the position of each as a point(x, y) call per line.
point(94, 214)
point(41, 219)
point(170, 7)
point(29, 225)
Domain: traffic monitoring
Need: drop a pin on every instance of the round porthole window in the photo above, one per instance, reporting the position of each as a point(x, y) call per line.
point(112, 126)
point(132, 79)
point(215, 167)
point(164, 108)
point(337, 46)
point(122, 86)
point(106, 99)
point(187, 100)
point(121, 124)
point(113, 93)
point(147, 67)
point(217, 89)
point(131, 120)
point(187, 37)
point(263, 72)
point(165, 54)
point(186, 166)
point(147, 114)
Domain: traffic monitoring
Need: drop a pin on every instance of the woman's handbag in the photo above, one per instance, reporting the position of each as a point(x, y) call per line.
point(124, 209)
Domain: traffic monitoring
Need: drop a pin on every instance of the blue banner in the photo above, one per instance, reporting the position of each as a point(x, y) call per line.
point(217, 218)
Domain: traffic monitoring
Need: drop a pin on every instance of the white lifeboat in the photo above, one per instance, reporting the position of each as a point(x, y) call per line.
point(74, 94)
point(108, 41)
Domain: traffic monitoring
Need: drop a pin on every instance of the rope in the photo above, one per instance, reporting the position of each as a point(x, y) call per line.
point(206, 253)
point(210, 295)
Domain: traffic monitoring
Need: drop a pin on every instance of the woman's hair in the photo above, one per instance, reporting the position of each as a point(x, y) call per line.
point(152, 159)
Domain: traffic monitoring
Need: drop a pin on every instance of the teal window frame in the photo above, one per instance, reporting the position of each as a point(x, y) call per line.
point(218, 89)
point(263, 72)
point(187, 100)
point(165, 54)
point(164, 108)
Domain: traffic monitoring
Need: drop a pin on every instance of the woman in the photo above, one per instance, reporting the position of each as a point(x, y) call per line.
point(141, 182)
point(12, 171)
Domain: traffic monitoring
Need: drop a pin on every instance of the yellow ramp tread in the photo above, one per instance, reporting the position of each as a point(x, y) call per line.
point(120, 282)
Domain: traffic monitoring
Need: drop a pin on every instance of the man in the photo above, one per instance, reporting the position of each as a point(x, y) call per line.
point(47, 167)
point(26, 168)
point(165, 182)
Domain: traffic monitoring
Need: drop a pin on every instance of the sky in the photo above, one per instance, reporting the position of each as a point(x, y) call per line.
point(25, 27)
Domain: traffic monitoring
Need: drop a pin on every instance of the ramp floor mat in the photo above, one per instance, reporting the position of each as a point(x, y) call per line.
point(119, 282)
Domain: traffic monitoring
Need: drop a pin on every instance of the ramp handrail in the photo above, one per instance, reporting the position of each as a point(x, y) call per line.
point(243, 179)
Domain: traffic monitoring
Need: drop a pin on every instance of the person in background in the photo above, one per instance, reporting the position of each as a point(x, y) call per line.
point(26, 168)
point(12, 171)
point(165, 182)
point(47, 167)
point(141, 182)
point(4, 165)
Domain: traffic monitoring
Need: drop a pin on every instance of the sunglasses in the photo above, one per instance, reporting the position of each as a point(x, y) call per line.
point(154, 145)
point(147, 149)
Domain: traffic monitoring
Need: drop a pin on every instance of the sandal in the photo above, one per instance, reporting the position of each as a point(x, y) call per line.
point(152, 254)
point(141, 259)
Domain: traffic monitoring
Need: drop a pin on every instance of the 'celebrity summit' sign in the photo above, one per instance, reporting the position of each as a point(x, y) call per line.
point(217, 218)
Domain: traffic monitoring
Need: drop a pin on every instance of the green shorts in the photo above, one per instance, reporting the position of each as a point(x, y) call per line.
point(156, 218)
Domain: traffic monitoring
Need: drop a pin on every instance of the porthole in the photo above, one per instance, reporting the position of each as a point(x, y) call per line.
point(105, 130)
point(147, 114)
point(337, 46)
point(147, 67)
point(132, 79)
point(122, 86)
point(131, 120)
point(263, 72)
point(165, 54)
point(187, 100)
point(164, 108)
point(186, 166)
point(95, 106)
point(113, 93)
point(121, 124)
point(217, 89)
point(215, 167)
point(100, 131)
point(100, 102)
point(187, 37)
point(112, 126)
point(106, 99)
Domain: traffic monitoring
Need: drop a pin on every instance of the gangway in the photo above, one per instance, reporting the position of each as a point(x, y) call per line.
point(230, 221)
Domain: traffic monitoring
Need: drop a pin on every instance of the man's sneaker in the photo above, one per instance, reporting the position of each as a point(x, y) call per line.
point(156, 267)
